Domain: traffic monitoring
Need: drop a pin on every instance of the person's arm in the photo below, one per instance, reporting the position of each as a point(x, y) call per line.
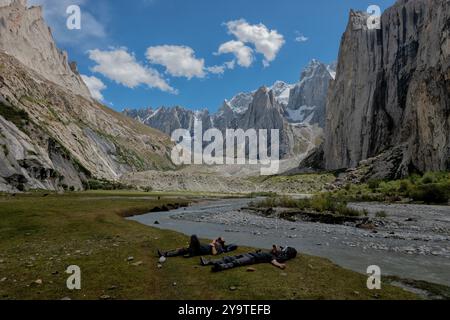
point(214, 250)
point(278, 265)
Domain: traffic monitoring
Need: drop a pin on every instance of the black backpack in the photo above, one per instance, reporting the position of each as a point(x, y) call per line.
point(287, 254)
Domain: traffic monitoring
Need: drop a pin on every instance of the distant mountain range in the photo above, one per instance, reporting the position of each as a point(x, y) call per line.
point(287, 107)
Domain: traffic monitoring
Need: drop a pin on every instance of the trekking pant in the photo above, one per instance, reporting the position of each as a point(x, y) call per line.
point(234, 262)
point(195, 249)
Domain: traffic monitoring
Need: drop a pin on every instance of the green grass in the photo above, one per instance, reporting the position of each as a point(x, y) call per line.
point(42, 234)
point(19, 117)
point(430, 188)
point(299, 183)
point(320, 203)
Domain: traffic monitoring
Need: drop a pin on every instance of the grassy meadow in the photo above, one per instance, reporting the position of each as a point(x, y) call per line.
point(42, 234)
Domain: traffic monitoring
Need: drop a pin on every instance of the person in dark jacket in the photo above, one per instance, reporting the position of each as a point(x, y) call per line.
point(277, 257)
point(196, 248)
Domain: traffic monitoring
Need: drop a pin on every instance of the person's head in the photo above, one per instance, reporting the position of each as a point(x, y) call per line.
point(276, 249)
point(221, 241)
point(284, 254)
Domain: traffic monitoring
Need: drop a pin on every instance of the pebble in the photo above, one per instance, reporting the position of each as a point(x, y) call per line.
point(105, 297)
point(66, 299)
point(3, 279)
point(174, 284)
point(159, 266)
point(38, 282)
point(137, 264)
point(232, 288)
point(251, 269)
point(130, 259)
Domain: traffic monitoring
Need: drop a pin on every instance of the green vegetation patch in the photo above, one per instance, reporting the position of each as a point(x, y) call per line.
point(321, 203)
point(17, 116)
point(430, 188)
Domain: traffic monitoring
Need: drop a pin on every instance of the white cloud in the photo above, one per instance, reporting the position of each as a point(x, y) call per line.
point(216, 69)
point(301, 38)
point(179, 61)
point(267, 42)
point(120, 66)
point(95, 85)
point(230, 64)
point(243, 53)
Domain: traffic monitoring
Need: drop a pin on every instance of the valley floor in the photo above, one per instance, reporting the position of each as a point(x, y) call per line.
point(41, 235)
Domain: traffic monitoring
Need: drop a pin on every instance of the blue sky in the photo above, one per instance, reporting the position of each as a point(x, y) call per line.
point(279, 37)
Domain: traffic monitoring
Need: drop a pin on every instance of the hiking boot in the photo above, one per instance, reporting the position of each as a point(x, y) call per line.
point(216, 268)
point(204, 261)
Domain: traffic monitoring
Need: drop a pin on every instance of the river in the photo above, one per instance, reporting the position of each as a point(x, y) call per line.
point(412, 242)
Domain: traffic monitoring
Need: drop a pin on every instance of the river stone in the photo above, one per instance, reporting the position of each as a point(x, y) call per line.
point(162, 260)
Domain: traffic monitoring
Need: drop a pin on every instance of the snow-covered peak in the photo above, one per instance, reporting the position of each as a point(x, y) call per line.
point(241, 102)
point(332, 70)
point(281, 91)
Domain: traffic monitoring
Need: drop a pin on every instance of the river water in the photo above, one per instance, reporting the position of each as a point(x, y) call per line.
point(412, 242)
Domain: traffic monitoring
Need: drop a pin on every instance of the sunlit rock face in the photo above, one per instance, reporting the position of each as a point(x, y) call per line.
point(26, 36)
point(392, 90)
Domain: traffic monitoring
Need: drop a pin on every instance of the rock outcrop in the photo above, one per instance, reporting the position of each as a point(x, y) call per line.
point(26, 36)
point(51, 138)
point(392, 91)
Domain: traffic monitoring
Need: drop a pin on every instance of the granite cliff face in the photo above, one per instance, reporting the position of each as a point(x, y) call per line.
point(52, 137)
point(392, 91)
point(26, 36)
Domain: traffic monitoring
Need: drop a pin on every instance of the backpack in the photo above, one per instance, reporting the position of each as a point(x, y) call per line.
point(287, 254)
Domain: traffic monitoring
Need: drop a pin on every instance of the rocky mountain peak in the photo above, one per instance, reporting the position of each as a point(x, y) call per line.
point(307, 99)
point(26, 36)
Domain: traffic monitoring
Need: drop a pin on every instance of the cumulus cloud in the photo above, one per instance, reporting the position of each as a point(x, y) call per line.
point(267, 42)
point(95, 86)
point(120, 66)
point(243, 53)
point(179, 61)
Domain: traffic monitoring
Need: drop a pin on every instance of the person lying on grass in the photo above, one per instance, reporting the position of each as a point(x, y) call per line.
point(277, 257)
point(196, 248)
